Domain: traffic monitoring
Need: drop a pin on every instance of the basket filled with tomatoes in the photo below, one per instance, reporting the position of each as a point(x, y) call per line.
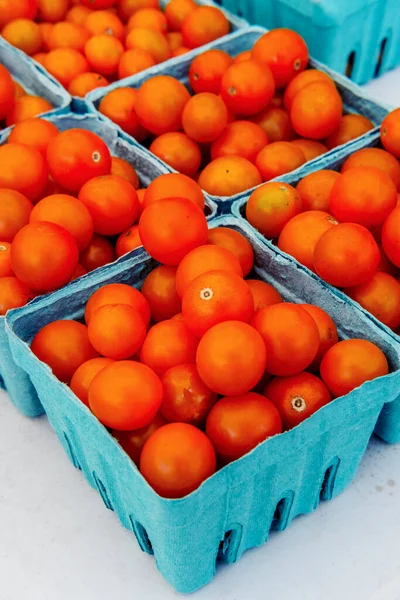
point(90, 43)
point(341, 221)
point(76, 174)
point(211, 392)
point(26, 90)
point(241, 112)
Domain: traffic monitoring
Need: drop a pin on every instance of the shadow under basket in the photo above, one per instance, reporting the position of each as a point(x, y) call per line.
point(235, 509)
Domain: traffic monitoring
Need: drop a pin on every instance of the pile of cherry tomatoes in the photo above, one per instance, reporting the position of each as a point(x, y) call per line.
point(65, 191)
point(201, 365)
point(250, 119)
point(344, 226)
point(86, 44)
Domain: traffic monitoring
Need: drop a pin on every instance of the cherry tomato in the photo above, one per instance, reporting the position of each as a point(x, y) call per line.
point(133, 441)
point(84, 375)
point(168, 344)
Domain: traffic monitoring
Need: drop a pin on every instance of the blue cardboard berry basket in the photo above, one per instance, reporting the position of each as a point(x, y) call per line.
point(33, 77)
point(359, 38)
point(15, 381)
point(235, 509)
point(355, 100)
point(388, 426)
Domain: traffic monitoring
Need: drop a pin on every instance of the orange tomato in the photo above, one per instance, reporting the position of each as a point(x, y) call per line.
point(203, 259)
point(300, 81)
point(84, 83)
point(175, 40)
point(337, 256)
point(160, 104)
point(328, 335)
point(238, 424)
point(176, 11)
point(119, 105)
point(390, 236)
point(275, 122)
point(34, 261)
point(364, 195)
point(168, 344)
point(77, 14)
point(128, 240)
point(15, 209)
point(23, 170)
point(221, 362)
point(310, 148)
point(133, 61)
point(122, 168)
point(68, 35)
point(240, 138)
point(315, 189)
point(7, 91)
point(279, 158)
point(236, 243)
point(98, 253)
point(159, 289)
point(67, 212)
point(161, 231)
point(301, 234)
point(103, 21)
point(63, 346)
point(17, 9)
point(186, 397)
point(65, 64)
point(36, 133)
point(52, 10)
point(118, 293)
point(13, 294)
point(133, 441)
point(174, 185)
point(125, 395)
point(214, 297)
point(202, 25)
point(176, 459)
point(290, 335)
point(103, 53)
point(263, 294)
point(350, 363)
point(178, 151)
point(23, 34)
point(229, 175)
point(84, 375)
point(375, 157)
point(75, 156)
point(271, 206)
point(297, 397)
point(150, 40)
point(350, 127)
point(316, 110)
point(5, 260)
point(390, 132)
point(45, 32)
point(148, 18)
point(26, 108)
point(247, 87)
point(381, 297)
point(99, 4)
point(207, 69)
point(117, 331)
point(284, 51)
point(204, 117)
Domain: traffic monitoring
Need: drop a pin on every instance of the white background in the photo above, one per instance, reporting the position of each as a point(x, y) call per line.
point(58, 542)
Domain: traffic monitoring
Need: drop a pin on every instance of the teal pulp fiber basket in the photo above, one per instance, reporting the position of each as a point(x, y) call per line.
point(388, 426)
point(354, 99)
point(359, 38)
point(236, 508)
point(33, 77)
point(15, 381)
point(236, 23)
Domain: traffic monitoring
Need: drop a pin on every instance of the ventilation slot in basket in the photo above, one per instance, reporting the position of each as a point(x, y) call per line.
point(71, 453)
point(282, 512)
point(328, 483)
point(381, 57)
point(141, 536)
point(350, 64)
point(103, 492)
point(229, 546)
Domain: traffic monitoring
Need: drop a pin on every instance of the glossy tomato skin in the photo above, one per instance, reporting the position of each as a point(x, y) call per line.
point(381, 297)
point(117, 293)
point(263, 294)
point(223, 365)
point(162, 231)
point(63, 345)
point(176, 459)
point(337, 256)
point(297, 397)
point(13, 294)
point(133, 441)
point(167, 344)
point(350, 363)
point(237, 424)
point(186, 397)
point(35, 261)
point(126, 395)
point(14, 213)
point(328, 335)
point(98, 253)
point(84, 375)
point(391, 236)
point(76, 156)
point(284, 51)
point(290, 335)
point(235, 242)
point(159, 289)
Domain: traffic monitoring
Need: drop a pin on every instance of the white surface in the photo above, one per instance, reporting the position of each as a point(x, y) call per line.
point(58, 542)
